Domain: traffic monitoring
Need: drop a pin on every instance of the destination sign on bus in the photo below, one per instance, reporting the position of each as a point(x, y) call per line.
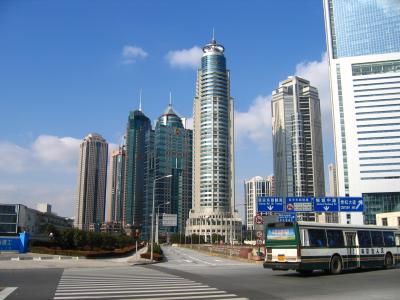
point(281, 234)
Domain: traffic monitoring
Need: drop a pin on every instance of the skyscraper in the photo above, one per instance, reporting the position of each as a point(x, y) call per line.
point(92, 177)
point(332, 180)
point(363, 41)
point(297, 139)
point(118, 184)
point(138, 127)
point(213, 149)
point(253, 188)
point(170, 153)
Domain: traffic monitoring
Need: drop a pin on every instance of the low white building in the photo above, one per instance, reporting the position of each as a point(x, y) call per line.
point(388, 219)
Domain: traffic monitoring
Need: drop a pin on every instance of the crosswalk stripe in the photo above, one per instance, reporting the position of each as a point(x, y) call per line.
point(62, 287)
point(140, 290)
point(211, 293)
point(132, 283)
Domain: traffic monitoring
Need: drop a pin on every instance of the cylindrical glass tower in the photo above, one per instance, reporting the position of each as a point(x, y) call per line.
point(213, 133)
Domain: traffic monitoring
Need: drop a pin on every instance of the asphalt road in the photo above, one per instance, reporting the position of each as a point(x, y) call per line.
point(188, 274)
point(254, 282)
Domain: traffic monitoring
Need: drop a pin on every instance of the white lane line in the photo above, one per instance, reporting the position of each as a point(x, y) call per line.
point(209, 293)
point(124, 283)
point(6, 292)
point(68, 287)
point(231, 296)
point(161, 288)
point(136, 291)
point(188, 261)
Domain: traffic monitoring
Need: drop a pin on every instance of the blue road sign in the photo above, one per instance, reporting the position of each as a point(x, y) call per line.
point(286, 217)
point(270, 204)
point(351, 204)
point(299, 204)
point(326, 204)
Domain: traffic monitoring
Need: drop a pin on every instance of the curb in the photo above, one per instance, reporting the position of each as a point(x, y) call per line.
point(40, 258)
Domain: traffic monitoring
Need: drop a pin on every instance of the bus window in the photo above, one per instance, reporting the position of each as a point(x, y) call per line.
point(317, 237)
point(388, 238)
point(377, 238)
point(335, 238)
point(364, 238)
point(398, 240)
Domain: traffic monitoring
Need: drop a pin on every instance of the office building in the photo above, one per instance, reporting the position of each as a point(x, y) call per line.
point(169, 153)
point(363, 41)
point(118, 184)
point(16, 218)
point(332, 180)
point(92, 178)
point(133, 208)
point(253, 188)
point(297, 140)
point(213, 150)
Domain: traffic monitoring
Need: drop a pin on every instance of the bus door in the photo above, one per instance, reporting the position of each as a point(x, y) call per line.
point(353, 254)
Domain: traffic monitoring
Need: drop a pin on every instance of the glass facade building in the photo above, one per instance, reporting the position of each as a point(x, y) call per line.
point(169, 152)
point(364, 27)
point(363, 41)
point(213, 149)
point(138, 127)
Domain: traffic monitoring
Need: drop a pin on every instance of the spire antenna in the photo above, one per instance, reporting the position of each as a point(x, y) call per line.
point(213, 36)
point(140, 100)
point(170, 98)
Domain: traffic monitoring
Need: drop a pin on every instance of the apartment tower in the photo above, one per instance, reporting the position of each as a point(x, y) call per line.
point(92, 178)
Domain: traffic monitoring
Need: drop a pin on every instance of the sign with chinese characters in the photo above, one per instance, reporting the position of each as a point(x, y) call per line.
point(326, 204)
point(351, 204)
point(169, 220)
point(287, 217)
point(299, 204)
point(270, 204)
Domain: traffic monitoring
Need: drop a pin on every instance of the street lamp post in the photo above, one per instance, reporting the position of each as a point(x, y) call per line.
point(152, 214)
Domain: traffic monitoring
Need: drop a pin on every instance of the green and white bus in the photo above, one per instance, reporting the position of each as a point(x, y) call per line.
point(307, 246)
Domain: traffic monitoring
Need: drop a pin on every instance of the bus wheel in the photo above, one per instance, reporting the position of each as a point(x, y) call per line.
point(335, 265)
point(304, 272)
point(388, 261)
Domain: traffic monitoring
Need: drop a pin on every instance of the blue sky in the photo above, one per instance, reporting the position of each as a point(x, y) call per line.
point(73, 67)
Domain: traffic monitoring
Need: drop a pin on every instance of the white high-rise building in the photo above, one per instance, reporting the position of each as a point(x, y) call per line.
point(213, 150)
point(332, 180)
point(253, 188)
point(92, 180)
point(363, 41)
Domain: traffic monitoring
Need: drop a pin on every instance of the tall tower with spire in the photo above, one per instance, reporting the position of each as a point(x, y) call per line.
point(213, 150)
point(170, 154)
point(138, 127)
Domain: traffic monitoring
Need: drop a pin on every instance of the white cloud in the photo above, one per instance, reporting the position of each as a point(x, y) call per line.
point(13, 158)
point(130, 53)
point(255, 124)
point(52, 149)
point(61, 197)
point(46, 151)
point(317, 72)
point(185, 58)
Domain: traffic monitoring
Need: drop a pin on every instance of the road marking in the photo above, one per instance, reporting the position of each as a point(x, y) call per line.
point(6, 292)
point(127, 283)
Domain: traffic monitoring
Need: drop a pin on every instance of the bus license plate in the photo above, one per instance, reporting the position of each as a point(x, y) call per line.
point(281, 257)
